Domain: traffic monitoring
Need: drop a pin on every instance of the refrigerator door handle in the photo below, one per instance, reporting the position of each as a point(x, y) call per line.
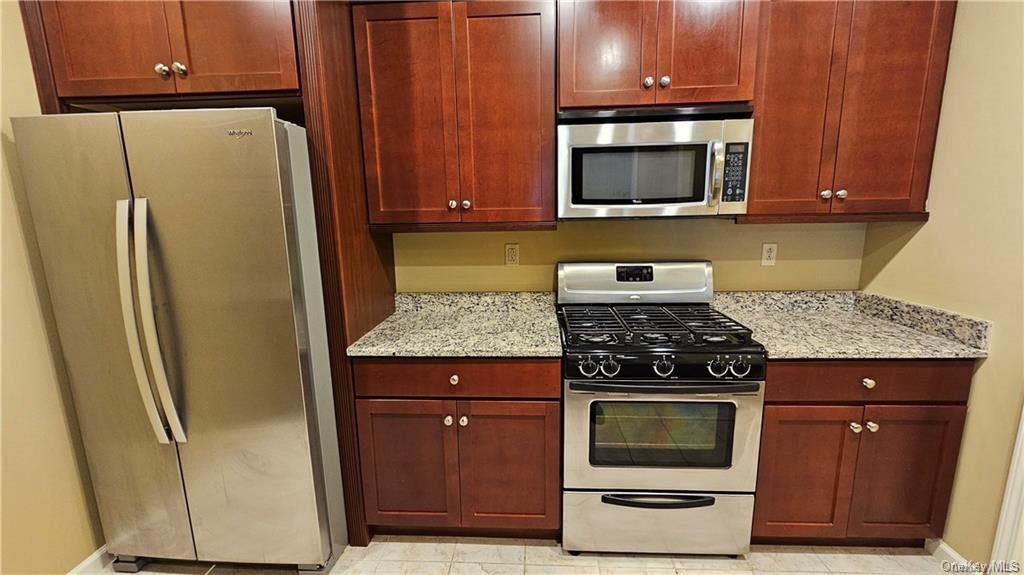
point(156, 358)
point(131, 331)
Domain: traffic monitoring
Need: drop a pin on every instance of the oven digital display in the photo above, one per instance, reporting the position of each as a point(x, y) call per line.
point(634, 273)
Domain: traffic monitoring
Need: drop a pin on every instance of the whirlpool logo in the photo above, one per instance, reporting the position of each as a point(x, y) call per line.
point(239, 133)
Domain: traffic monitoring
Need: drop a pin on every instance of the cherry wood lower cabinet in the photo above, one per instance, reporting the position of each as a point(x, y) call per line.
point(881, 469)
point(444, 463)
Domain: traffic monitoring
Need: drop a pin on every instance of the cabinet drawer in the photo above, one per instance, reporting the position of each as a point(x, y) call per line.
point(849, 381)
point(519, 378)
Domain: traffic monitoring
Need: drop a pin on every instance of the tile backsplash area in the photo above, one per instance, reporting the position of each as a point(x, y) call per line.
point(810, 256)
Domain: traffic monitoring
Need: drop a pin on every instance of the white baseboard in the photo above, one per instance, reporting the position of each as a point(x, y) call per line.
point(943, 552)
point(99, 562)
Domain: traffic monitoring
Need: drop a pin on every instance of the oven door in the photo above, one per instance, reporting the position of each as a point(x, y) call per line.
point(682, 437)
point(640, 169)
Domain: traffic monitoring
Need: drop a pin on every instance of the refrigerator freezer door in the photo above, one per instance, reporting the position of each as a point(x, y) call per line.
point(74, 174)
point(222, 294)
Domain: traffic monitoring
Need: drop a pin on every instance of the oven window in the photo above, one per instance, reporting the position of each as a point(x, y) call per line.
point(662, 433)
point(639, 174)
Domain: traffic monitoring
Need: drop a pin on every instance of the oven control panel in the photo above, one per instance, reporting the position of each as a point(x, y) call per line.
point(667, 366)
point(734, 185)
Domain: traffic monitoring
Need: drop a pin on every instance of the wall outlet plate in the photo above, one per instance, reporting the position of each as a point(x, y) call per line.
point(511, 254)
point(769, 253)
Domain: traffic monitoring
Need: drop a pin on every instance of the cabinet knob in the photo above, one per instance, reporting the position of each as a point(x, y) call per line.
point(452, 204)
point(463, 421)
point(162, 70)
point(826, 194)
point(454, 379)
point(868, 383)
point(665, 81)
point(648, 81)
point(872, 426)
point(466, 204)
point(179, 69)
point(841, 194)
point(448, 421)
point(856, 427)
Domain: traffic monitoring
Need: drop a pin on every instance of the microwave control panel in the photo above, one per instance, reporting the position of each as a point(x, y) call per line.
point(734, 186)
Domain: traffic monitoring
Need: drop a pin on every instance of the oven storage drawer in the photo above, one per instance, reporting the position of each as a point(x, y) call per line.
point(878, 381)
point(441, 378)
point(657, 522)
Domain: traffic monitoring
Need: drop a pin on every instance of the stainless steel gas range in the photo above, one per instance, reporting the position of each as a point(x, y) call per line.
point(663, 400)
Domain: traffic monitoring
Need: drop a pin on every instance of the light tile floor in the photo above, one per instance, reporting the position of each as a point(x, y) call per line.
point(399, 555)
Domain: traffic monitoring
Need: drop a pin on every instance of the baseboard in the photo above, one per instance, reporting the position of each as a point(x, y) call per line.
point(943, 552)
point(99, 562)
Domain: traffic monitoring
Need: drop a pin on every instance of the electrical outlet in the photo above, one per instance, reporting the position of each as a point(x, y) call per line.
point(511, 254)
point(769, 253)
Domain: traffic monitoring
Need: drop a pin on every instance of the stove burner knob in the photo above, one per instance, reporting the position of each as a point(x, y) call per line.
point(740, 368)
point(610, 367)
point(717, 367)
point(664, 367)
point(588, 367)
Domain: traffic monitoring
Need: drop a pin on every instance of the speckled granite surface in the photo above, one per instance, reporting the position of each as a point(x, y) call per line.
point(852, 325)
point(791, 325)
point(517, 324)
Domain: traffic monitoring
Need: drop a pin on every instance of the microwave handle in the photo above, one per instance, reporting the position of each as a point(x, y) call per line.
point(717, 149)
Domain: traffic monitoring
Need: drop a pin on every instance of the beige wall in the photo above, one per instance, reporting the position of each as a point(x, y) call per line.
point(968, 258)
point(811, 256)
point(49, 522)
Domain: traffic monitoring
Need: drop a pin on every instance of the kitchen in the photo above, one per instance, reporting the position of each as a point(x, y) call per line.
point(892, 307)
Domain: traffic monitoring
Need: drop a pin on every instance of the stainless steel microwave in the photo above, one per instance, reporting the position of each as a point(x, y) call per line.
point(654, 168)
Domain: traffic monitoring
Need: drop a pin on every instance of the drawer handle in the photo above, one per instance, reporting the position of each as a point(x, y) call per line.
point(856, 427)
point(872, 426)
point(463, 421)
point(659, 501)
point(868, 382)
point(454, 379)
point(448, 420)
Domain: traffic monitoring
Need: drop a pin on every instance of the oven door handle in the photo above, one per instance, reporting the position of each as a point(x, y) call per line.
point(745, 387)
point(659, 501)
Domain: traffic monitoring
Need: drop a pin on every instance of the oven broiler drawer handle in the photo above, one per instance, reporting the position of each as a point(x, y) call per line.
point(659, 501)
point(664, 389)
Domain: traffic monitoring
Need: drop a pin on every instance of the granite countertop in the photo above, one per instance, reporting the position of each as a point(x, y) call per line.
point(791, 325)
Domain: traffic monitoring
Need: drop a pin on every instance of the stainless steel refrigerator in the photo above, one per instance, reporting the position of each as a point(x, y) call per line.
point(180, 255)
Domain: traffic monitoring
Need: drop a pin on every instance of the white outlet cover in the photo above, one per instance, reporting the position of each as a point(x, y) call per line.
point(511, 254)
point(769, 253)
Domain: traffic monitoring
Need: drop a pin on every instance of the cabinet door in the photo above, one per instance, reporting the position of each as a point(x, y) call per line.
point(233, 46)
point(890, 108)
point(407, 104)
point(510, 464)
point(408, 451)
point(805, 471)
point(796, 106)
point(606, 50)
point(706, 50)
point(107, 48)
point(905, 471)
point(505, 78)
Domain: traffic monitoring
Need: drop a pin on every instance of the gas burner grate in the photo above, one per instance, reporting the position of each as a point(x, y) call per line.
point(648, 319)
point(709, 325)
point(598, 320)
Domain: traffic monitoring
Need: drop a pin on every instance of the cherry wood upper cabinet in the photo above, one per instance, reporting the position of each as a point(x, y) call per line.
point(706, 51)
point(905, 471)
point(505, 75)
point(806, 471)
point(607, 49)
point(895, 72)
point(458, 111)
point(233, 46)
point(145, 48)
point(635, 53)
point(847, 106)
point(409, 459)
point(407, 102)
point(510, 464)
point(108, 48)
